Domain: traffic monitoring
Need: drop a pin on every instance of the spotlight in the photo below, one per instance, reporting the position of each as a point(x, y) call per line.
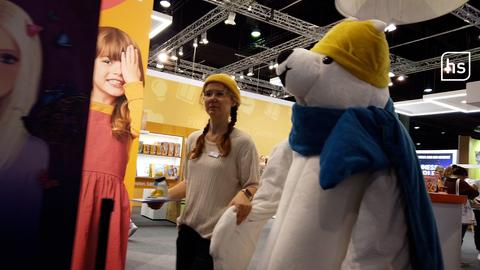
point(160, 66)
point(390, 84)
point(165, 3)
point(428, 90)
point(401, 78)
point(163, 57)
point(391, 74)
point(241, 75)
point(204, 39)
point(418, 143)
point(250, 72)
point(195, 42)
point(416, 127)
point(443, 132)
point(180, 51)
point(173, 57)
point(271, 66)
point(390, 28)
point(233, 77)
point(255, 32)
point(231, 18)
point(249, 8)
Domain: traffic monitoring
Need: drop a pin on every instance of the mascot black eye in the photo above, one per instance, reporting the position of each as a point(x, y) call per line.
point(327, 60)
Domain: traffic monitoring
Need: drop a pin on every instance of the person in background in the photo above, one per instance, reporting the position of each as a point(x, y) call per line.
point(23, 158)
point(114, 121)
point(221, 171)
point(475, 203)
point(439, 174)
point(132, 228)
point(457, 173)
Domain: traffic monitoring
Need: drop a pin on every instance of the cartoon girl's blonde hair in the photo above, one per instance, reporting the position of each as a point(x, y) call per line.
point(111, 42)
point(14, 106)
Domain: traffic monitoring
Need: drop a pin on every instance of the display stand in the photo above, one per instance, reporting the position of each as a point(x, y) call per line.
point(448, 215)
point(158, 155)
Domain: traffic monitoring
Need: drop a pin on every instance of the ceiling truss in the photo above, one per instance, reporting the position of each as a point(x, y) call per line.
point(308, 34)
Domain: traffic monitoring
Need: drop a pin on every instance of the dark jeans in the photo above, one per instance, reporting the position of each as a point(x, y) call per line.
point(193, 251)
point(476, 234)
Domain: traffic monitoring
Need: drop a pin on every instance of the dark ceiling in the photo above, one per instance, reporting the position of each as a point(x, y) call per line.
point(228, 44)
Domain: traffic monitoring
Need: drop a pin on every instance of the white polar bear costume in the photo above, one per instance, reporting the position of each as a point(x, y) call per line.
point(364, 221)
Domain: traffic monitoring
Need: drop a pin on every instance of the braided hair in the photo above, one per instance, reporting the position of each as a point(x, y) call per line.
point(225, 145)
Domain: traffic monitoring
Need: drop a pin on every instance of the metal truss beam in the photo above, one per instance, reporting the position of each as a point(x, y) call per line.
point(469, 14)
point(198, 71)
point(431, 63)
point(268, 15)
point(266, 55)
point(212, 18)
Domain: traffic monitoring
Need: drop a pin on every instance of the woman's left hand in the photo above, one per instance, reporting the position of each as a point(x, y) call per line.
point(129, 65)
point(242, 206)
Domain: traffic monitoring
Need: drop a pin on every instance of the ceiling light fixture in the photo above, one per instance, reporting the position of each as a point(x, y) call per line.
point(165, 3)
point(276, 81)
point(195, 42)
point(163, 57)
point(390, 84)
point(160, 21)
point(160, 66)
point(241, 75)
point(233, 77)
point(477, 129)
point(271, 66)
point(464, 101)
point(231, 18)
point(416, 127)
point(250, 72)
point(173, 57)
point(443, 132)
point(204, 39)
point(390, 28)
point(255, 32)
point(428, 90)
point(391, 74)
point(180, 51)
point(249, 8)
point(418, 143)
point(401, 78)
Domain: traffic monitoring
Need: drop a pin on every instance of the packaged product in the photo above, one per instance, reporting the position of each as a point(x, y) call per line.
point(171, 149)
point(177, 150)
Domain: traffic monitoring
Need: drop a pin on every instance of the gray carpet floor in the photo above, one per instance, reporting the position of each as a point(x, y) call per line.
point(153, 246)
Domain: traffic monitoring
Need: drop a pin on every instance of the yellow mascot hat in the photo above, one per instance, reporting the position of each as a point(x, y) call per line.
point(226, 80)
point(360, 48)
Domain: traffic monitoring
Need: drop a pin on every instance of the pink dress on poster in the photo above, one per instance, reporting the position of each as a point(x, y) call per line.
point(105, 161)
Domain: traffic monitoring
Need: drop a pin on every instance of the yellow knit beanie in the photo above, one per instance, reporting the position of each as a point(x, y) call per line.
point(226, 80)
point(360, 48)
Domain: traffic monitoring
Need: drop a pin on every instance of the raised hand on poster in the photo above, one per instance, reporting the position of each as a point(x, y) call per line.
point(129, 65)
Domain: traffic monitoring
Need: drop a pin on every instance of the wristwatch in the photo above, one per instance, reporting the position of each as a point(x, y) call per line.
point(248, 194)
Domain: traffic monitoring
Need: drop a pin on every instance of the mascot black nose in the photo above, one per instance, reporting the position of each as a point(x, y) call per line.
point(284, 55)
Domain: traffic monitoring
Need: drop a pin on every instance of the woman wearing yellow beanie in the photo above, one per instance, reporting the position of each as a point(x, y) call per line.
point(221, 171)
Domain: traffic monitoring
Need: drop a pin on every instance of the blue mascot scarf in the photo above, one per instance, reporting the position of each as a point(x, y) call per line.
point(367, 140)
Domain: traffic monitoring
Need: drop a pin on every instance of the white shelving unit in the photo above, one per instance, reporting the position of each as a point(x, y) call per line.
point(144, 162)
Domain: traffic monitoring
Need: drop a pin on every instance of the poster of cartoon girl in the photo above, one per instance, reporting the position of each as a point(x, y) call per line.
point(24, 158)
point(114, 121)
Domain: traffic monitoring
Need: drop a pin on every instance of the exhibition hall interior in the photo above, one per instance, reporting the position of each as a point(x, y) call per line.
point(240, 134)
